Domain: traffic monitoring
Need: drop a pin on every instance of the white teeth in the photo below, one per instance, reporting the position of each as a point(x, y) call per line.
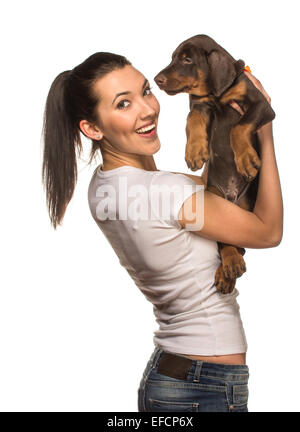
point(145, 129)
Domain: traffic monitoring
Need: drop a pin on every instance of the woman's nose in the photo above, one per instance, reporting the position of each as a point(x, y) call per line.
point(147, 109)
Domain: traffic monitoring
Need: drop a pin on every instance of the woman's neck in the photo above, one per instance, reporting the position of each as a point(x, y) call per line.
point(149, 163)
point(139, 161)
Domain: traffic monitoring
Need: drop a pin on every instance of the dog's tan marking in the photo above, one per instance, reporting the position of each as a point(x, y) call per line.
point(236, 92)
point(195, 86)
point(198, 86)
point(233, 262)
point(196, 152)
point(226, 286)
point(246, 159)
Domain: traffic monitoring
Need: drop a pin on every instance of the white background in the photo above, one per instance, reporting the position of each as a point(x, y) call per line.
point(75, 331)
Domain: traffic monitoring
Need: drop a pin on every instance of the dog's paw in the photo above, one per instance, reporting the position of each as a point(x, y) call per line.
point(248, 163)
point(195, 157)
point(223, 284)
point(234, 266)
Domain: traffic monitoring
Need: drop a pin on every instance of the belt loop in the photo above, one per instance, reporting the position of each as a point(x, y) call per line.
point(197, 372)
point(155, 356)
point(152, 361)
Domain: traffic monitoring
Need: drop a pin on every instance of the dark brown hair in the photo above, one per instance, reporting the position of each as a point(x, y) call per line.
point(70, 100)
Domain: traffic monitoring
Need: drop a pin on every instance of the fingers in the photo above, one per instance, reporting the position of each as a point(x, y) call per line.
point(237, 107)
point(258, 85)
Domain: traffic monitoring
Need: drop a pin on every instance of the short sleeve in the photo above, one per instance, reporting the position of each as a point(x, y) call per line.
point(168, 192)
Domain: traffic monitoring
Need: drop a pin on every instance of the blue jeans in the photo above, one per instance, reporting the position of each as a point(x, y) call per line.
point(208, 387)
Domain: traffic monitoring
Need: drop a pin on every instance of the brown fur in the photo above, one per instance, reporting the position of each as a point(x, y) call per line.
point(246, 158)
point(197, 139)
point(217, 133)
point(236, 92)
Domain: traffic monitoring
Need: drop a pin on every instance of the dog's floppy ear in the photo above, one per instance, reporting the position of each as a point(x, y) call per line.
point(239, 66)
point(222, 71)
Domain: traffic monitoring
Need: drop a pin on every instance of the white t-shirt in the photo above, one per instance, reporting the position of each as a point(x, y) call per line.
point(173, 267)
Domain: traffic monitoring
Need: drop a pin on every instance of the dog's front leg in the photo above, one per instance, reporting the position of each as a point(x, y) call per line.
point(246, 158)
point(197, 146)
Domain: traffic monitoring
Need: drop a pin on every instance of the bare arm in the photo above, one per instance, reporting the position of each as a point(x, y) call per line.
point(269, 205)
point(228, 223)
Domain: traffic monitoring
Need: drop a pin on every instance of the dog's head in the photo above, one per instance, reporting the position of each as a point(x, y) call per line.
point(201, 67)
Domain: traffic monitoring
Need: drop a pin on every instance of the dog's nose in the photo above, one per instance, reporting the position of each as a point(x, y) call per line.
point(160, 80)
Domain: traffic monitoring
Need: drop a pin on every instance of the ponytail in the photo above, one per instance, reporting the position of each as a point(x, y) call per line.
point(59, 171)
point(70, 100)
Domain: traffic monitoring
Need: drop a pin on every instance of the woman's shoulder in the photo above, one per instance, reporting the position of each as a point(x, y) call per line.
point(197, 179)
point(176, 177)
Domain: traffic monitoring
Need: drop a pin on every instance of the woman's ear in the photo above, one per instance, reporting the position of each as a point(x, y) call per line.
point(222, 72)
point(90, 130)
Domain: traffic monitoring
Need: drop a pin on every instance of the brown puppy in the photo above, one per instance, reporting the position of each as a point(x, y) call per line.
point(217, 132)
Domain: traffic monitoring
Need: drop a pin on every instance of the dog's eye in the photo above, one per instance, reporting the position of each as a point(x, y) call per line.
point(187, 60)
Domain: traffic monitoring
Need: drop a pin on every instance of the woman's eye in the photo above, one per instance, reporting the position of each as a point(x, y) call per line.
point(120, 104)
point(148, 88)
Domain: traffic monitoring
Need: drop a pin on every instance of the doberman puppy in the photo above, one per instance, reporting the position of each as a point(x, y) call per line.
point(217, 133)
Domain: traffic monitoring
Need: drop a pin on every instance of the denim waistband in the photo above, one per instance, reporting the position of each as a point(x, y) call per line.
point(229, 372)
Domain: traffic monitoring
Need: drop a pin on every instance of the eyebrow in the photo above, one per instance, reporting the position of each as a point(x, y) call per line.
point(127, 92)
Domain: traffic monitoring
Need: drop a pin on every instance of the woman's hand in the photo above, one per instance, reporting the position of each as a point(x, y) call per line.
point(258, 85)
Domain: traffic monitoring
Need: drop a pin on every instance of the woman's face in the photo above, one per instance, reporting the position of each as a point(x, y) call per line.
point(121, 115)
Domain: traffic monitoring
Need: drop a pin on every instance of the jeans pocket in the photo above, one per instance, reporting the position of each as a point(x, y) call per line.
point(240, 398)
point(157, 405)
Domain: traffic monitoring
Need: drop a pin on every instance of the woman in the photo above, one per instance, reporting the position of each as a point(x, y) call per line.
point(199, 360)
